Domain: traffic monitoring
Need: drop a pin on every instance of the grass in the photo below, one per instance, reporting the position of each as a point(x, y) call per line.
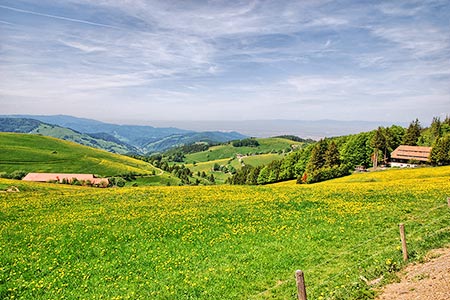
point(220, 177)
point(34, 153)
point(226, 154)
point(228, 151)
point(217, 242)
point(158, 180)
point(84, 139)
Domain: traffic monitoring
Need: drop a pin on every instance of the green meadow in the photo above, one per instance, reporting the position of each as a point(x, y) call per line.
point(35, 153)
point(227, 151)
point(253, 160)
point(218, 242)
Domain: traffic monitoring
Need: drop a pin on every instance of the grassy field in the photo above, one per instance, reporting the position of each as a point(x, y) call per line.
point(254, 160)
point(270, 149)
point(227, 151)
point(217, 242)
point(34, 153)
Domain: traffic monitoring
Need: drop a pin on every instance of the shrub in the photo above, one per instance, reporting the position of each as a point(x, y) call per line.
point(18, 174)
point(117, 181)
point(327, 173)
point(245, 143)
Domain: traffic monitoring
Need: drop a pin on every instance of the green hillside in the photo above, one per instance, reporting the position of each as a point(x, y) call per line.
point(218, 242)
point(221, 177)
point(83, 139)
point(102, 141)
point(35, 153)
point(223, 160)
point(266, 145)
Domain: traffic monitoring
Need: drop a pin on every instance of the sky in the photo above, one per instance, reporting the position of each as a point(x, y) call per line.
point(134, 61)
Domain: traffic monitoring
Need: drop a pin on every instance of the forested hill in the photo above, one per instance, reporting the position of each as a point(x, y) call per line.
point(338, 156)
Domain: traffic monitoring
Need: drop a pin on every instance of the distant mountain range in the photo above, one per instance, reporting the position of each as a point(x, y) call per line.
point(314, 129)
point(111, 137)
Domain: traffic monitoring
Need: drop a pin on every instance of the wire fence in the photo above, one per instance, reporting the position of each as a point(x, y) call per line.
point(414, 236)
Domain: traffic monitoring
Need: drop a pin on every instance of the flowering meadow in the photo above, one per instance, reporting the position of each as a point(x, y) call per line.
point(218, 242)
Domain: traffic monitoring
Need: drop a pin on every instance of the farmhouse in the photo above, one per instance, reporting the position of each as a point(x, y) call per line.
point(409, 156)
point(64, 177)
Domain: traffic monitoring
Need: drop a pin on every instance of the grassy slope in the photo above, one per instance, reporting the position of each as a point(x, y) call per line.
point(255, 160)
point(34, 153)
point(217, 242)
point(228, 151)
point(223, 154)
point(69, 134)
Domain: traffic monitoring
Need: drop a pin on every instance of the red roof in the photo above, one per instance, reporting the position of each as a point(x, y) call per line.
point(44, 177)
point(411, 153)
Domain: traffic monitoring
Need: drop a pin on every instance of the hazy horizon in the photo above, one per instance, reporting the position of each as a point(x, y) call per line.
point(140, 61)
point(314, 129)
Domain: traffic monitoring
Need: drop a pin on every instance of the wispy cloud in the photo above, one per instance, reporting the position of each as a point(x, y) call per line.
point(82, 47)
point(6, 23)
point(57, 17)
point(422, 40)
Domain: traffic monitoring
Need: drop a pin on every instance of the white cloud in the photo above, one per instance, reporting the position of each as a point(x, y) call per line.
point(57, 17)
point(313, 85)
point(421, 40)
point(82, 47)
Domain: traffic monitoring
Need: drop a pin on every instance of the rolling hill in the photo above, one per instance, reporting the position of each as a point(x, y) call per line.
point(229, 157)
point(101, 141)
point(140, 139)
point(35, 153)
point(266, 145)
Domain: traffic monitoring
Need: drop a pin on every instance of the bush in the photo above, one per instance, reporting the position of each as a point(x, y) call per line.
point(245, 143)
point(117, 181)
point(327, 173)
point(18, 174)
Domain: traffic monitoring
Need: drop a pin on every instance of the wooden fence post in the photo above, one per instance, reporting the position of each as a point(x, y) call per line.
point(403, 238)
point(448, 201)
point(301, 289)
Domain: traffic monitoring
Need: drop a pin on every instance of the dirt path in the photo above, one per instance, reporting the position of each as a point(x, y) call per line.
point(427, 281)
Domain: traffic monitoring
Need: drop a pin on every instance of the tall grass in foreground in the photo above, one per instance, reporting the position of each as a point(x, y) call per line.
point(218, 242)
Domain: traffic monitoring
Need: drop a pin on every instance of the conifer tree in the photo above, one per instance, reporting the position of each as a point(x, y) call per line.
point(436, 128)
point(440, 153)
point(378, 142)
point(332, 157)
point(412, 134)
point(317, 160)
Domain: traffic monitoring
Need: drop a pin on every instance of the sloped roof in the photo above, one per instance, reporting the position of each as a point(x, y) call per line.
point(44, 177)
point(419, 153)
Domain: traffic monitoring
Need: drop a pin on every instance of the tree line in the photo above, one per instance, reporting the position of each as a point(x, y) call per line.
point(335, 157)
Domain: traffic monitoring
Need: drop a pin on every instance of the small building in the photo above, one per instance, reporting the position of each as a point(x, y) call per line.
point(65, 177)
point(410, 156)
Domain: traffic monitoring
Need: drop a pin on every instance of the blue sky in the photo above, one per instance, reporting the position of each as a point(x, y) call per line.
point(141, 60)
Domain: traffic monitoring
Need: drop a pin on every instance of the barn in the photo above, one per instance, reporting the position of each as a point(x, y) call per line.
point(65, 177)
point(410, 156)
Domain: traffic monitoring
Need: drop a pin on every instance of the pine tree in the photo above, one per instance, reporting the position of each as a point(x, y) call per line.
point(378, 142)
point(436, 128)
point(317, 160)
point(412, 134)
point(212, 179)
point(332, 157)
point(446, 120)
point(440, 153)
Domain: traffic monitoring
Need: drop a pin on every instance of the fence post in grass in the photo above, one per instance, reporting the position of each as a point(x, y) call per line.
point(403, 239)
point(301, 289)
point(448, 201)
